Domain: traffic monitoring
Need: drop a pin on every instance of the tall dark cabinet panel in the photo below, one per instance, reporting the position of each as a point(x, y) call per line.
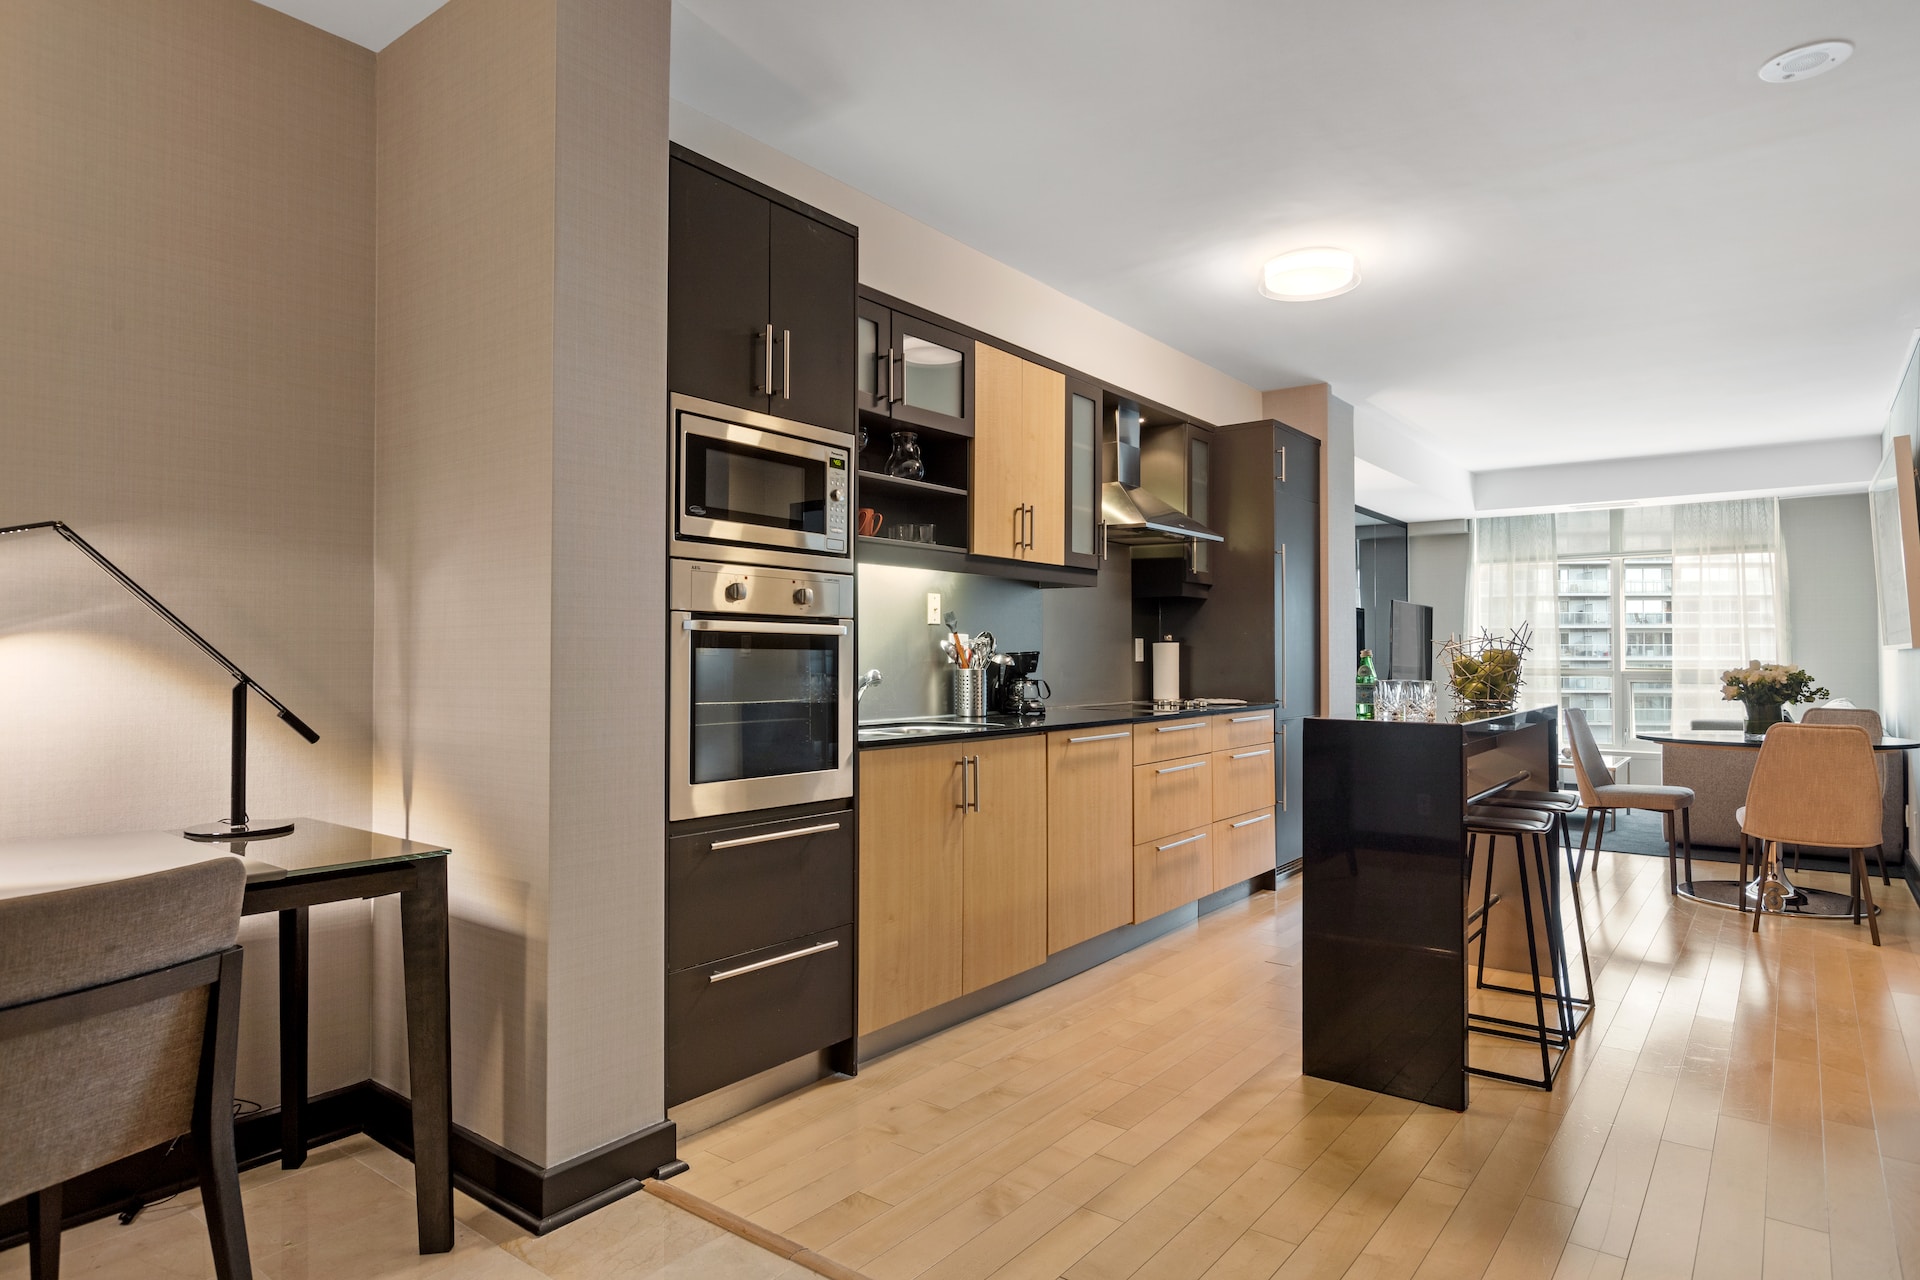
point(760, 295)
point(1258, 634)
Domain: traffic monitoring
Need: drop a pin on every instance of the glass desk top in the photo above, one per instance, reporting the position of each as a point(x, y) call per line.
point(310, 850)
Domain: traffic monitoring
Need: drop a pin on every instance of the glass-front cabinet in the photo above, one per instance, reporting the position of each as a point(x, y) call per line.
point(1083, 475)
point(911, 371)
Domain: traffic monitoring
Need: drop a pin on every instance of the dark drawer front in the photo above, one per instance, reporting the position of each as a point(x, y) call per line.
point(724, 1024)
point(743, 888)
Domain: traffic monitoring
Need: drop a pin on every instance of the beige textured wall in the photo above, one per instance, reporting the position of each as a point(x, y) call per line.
point(186, 377)
point(521, 393)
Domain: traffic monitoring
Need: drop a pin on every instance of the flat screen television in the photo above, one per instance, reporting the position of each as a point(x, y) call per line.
point(1411, 626)
point(1895, 505)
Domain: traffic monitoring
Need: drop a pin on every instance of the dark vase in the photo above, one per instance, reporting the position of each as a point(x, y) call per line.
point(1762, 713)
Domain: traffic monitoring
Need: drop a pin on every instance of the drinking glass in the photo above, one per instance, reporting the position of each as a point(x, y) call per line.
point(1420, 699)
point(1390, 699)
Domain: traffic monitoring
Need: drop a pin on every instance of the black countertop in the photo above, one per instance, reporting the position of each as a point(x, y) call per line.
point(948, 728)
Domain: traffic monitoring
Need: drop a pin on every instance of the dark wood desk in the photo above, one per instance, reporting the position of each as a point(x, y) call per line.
point(318, 862)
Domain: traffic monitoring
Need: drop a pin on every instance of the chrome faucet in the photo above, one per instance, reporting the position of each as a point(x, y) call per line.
point(867, 682)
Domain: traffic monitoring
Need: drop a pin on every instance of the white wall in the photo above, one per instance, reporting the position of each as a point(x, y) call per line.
point(1832, 620)
point(910, 260)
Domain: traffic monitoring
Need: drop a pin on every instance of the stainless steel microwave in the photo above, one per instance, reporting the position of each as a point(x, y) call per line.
point(752, 488)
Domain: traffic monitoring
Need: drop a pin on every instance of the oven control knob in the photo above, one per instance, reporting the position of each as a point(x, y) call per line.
point(836, 495)
point(736, 591)
point(803, 595)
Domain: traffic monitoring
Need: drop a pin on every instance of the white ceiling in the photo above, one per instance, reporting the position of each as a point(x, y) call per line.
point(1586, 230)
point(373, 24)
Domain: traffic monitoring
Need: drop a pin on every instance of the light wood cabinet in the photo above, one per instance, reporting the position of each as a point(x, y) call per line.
point(1242, 729)
point(1242, 848)
point(1171, 796)
point(1003, 898)
point(1191, 737)
point(912, 832)
point(1171, 872)
point(1243, 780)
point(1019, 481)
point(1089, 834)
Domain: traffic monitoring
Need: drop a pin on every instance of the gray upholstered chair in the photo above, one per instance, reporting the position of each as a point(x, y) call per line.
point(1870, 721)
point(1601, 796)
point(119, 1022)
point(1814, 784)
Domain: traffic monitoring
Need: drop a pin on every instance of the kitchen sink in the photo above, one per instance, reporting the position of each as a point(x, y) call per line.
point(928, 729)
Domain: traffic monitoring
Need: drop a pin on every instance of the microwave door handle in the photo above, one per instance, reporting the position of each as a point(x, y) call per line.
point(765, 628)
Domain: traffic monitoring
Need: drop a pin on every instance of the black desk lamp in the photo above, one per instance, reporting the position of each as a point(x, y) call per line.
point(238, 826)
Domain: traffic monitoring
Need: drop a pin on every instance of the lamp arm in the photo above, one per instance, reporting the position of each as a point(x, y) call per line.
point(294, 722)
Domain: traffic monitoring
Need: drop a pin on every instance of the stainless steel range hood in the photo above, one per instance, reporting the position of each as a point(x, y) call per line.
point(1133, 515)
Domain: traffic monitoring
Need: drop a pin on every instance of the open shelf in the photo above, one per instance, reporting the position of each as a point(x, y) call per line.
point(881, 480)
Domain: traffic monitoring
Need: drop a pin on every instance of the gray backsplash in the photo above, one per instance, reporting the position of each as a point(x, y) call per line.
point(1085, 634)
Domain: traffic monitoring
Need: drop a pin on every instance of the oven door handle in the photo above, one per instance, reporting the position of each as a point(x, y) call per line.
point(766, 628)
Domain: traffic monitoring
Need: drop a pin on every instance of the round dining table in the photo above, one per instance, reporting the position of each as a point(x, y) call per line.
point(1799, 901)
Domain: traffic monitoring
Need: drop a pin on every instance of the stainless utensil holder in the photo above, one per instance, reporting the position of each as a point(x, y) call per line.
point(970, 693)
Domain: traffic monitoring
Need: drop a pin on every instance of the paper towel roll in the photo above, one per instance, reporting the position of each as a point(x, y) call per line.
point(1166, 671)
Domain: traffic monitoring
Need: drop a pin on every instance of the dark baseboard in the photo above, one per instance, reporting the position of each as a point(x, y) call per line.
point(536, 1199)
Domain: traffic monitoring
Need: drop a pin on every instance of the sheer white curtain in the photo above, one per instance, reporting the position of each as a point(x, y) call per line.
point(1515, 580)
point(1729, 599)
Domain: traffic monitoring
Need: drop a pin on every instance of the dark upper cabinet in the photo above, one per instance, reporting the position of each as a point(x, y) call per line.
point(1296, 464)
point(759, 300)
point(912, 371)
point(810, 301)
point(1083, 546)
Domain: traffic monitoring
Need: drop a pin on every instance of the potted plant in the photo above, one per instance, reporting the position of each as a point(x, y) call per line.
point(1766, 687)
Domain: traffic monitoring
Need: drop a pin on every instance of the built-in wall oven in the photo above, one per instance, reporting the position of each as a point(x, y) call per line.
point(761, 688)
point(751, 488)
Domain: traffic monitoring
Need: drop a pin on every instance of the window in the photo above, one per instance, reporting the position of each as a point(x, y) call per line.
point(1616, 643)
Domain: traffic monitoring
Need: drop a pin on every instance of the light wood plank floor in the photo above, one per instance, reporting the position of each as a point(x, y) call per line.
point(1738, 1107)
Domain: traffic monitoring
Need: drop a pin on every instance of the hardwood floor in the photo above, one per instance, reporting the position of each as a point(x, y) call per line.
point(1739, 1106)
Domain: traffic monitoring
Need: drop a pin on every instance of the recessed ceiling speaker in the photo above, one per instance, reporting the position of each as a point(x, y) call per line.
point(1806, 62)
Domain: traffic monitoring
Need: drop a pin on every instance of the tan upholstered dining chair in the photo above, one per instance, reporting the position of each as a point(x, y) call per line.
point(1869, 720)
point(1601, 796)
point(119, 1022)
point(1814, 784)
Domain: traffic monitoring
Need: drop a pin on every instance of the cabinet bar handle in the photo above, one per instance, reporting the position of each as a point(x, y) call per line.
point(897, 382)
point(1283, 624)
point(1283, 464)
point(786, 364)
point(1162, 848)
point(1182, 768)
point(1248, 719)
point(886, 397)
point(976, 782)
point(758, 965)
point(766, 350)
point(1100, 737)
point(1258, 817)
point(1179, 728)
point(794, 834)
point(1283, 769)
point(1247, 755)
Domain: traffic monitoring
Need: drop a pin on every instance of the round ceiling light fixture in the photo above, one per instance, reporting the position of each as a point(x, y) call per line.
point(1806, 62)
point(1305, 275)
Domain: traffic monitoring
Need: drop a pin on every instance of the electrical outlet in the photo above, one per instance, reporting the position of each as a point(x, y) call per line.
point(933, 607)
point(1139, 649)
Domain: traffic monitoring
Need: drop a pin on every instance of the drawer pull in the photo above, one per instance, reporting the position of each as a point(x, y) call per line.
point(1258, 817)
point(1248, 755)
point(1180, 728)
point(1265, 715)
point(1101, 737)
point(1162, 848)
point(1182, 768)
point(775, 835)
point(758, 965)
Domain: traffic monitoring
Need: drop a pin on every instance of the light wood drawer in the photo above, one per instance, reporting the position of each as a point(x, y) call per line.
point(1242, 848)
point(1242, 729)
point(1171, 872)
point(1175, 738)
point(1173, 795)
point(1242, 780)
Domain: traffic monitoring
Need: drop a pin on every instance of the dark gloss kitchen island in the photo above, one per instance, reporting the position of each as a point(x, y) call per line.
point(1386, 888)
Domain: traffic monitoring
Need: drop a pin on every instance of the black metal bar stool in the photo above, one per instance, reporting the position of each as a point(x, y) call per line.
point(1560, 804)
point(1528, 829)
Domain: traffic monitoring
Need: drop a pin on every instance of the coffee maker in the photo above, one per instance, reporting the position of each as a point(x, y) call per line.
point(1012, 687)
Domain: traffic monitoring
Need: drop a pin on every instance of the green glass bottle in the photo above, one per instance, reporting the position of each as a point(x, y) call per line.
point(1364, 681)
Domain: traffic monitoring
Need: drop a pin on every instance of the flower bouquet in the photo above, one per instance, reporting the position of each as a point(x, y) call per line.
point(1767, 687)
point(1484, 671)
